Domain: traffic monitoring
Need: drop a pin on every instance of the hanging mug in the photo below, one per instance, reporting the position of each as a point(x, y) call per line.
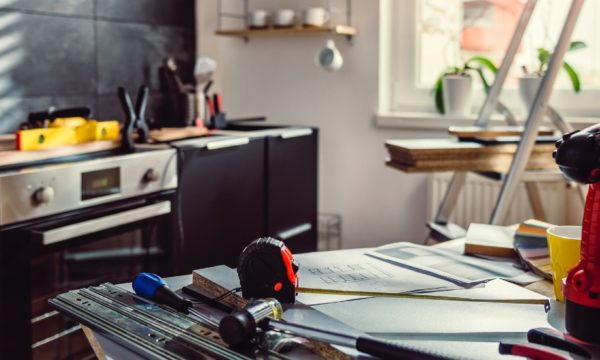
point(330, 57)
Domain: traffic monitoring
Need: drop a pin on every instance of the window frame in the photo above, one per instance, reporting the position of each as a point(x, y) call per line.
point(402, 103)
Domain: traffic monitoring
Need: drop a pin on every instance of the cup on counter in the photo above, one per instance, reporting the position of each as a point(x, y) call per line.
point(315, 16)
point(258, 19)
point(284, 18)
point(564, 246)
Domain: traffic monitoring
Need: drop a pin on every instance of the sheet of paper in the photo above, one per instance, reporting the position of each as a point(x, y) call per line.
point(462, 270)
point(351, 270)
point(497, 289)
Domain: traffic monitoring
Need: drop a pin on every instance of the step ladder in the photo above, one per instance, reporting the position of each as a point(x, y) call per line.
point(441, 228)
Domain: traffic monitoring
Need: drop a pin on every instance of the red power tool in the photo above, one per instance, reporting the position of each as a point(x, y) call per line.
point(578, 156)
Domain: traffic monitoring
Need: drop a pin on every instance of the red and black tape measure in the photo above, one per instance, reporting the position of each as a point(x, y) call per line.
point(267, 268)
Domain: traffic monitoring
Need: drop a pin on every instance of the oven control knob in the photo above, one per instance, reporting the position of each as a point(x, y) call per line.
point(150, 176)
point(43, 195)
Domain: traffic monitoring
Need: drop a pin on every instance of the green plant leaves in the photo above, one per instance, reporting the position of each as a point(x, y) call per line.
point(573, 76)
point(482, 61)
point(543, 57)
point(486, 86)
point(438, 93)
point(577, 45)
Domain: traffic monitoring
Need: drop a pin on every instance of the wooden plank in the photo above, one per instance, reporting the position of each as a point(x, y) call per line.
point(451, 147)
point(405, 157)
point(494, 131)
point(94, 343)
point(497, 164)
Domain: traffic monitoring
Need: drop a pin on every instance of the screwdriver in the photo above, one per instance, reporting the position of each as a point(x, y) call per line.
point(152, 287)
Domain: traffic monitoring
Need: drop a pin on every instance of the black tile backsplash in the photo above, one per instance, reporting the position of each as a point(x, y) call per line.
point(160, 12)
point(77, 52)
point(59, 56)
point(59, 7)
point(144, 45)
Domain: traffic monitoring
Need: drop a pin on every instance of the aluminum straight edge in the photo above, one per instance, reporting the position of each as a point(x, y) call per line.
point(491, 101)
point(536, 115)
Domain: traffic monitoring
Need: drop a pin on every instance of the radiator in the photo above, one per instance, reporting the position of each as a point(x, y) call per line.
point(479, 195)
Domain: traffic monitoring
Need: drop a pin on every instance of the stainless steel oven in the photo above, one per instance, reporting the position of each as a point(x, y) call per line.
point(73, 225)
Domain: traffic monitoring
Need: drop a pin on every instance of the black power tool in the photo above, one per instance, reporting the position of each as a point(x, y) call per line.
point(578, 156)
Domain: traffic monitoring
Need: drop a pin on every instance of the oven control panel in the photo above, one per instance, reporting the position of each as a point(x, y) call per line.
point(40, 191)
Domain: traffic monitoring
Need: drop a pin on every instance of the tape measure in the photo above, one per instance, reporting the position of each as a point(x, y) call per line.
point(267, 269)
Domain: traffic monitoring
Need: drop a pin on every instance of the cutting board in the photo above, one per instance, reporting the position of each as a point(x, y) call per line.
point(172, 134)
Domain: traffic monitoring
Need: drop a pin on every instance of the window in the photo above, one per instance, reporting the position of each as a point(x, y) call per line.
point(420, 38)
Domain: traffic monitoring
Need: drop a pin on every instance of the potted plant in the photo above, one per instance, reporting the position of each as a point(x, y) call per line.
point(452, 89)
point(531, 80)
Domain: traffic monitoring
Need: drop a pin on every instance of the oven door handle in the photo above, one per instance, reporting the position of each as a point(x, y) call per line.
point(102, 223)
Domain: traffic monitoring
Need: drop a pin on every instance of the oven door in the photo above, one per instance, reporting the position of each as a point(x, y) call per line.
point(110, 243)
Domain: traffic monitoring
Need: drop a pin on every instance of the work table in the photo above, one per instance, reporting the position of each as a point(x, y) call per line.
point(408, 321)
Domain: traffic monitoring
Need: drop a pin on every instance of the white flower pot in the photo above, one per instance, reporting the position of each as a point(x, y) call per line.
point(457, 95)
point(528, 87)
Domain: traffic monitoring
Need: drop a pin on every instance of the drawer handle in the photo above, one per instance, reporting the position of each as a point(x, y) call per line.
point(214, 145)
point(102, 223)
point(294, 231)
point(294, 133)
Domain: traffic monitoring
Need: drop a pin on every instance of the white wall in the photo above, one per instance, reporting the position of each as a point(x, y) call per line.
point(277, 77)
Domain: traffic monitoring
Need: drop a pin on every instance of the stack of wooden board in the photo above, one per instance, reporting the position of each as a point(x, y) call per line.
point(450, 154)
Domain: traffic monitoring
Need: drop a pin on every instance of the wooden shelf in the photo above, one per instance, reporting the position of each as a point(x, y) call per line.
point(344, 30)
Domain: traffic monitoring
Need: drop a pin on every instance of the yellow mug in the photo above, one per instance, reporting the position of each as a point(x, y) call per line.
point(564, 245)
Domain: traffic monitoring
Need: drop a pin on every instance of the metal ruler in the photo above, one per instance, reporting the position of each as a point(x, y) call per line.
point(143, 327)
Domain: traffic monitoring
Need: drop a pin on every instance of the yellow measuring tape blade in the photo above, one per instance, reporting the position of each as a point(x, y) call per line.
point(421, 296)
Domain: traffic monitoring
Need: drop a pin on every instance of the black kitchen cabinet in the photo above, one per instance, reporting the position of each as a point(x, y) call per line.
point(292, 189)
point(230, 196)
point(221, 202)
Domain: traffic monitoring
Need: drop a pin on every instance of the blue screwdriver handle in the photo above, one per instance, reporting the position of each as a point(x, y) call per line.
point(145, 284)
point(153, 287)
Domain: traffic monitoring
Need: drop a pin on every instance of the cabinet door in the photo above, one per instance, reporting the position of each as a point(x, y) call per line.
point(221, 203)
point(292, 190)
